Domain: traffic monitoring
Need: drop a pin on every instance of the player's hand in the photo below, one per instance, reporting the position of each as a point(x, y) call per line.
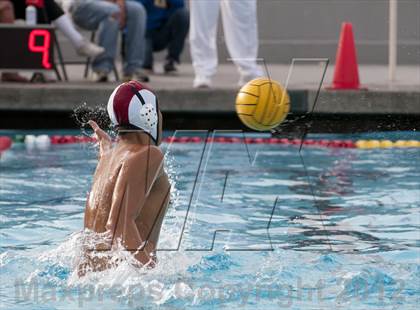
point(105, 141)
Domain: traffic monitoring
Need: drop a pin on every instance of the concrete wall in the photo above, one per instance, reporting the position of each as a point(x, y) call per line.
point(311, 28)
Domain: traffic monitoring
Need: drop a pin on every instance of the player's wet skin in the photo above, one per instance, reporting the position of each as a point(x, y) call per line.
point(129, 197)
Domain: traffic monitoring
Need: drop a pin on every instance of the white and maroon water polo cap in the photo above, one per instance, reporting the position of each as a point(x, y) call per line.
point(133, 106)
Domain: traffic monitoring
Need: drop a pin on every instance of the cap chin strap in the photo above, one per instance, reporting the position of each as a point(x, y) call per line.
point(135, 92)
point(135, 129)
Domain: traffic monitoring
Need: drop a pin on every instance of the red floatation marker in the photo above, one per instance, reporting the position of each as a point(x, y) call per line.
point(309, 142)
point(170, 139)
point(350, 144)
point(183, 139)
point(55, 139)
point(237, 140)
point(196, 140)
point(5, 144)
point(323, 142)
point(273, 141)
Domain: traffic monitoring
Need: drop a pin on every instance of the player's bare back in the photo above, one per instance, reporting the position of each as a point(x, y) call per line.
point(129, 196)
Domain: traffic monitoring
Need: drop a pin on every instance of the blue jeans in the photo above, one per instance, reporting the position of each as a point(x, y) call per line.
point(101, 15)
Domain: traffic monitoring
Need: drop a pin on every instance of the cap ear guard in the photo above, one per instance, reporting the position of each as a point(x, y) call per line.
point(143, 113)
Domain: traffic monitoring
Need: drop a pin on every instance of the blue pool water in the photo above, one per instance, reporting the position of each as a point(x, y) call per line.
point(333, 228)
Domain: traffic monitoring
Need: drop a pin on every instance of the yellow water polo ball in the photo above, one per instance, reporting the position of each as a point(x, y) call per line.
point(262, 104)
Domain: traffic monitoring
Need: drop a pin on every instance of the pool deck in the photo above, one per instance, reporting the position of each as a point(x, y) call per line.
point(177, 95)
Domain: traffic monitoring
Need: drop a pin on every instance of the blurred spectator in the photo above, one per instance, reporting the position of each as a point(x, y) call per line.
point(108, 17)
point(7, 16)
point(167, 27)
point(241, 35)
point(48, 11)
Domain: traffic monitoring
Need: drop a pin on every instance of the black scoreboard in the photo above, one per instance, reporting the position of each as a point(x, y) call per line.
point(27, 47)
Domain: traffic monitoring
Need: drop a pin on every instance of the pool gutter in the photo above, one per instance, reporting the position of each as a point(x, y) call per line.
point(50, 106)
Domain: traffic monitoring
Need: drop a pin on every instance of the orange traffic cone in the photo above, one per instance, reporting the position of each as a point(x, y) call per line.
point(346, 74)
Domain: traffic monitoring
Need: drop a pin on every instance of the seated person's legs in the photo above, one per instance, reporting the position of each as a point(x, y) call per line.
point(104, 17)
point(54, 14)
point(135, 41)
point(51, 11)
point(172, 36)
point(148, 53)
point(179, 24)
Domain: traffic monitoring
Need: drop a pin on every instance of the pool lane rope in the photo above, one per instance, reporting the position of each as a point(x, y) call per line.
point(333, 143)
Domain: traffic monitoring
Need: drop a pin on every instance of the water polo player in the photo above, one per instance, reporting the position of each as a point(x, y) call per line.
point(130, 190)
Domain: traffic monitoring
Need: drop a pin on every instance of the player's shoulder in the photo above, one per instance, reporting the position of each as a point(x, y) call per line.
point(149, 153)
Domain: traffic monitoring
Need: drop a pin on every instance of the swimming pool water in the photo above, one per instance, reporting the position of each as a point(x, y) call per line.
point(333, 228)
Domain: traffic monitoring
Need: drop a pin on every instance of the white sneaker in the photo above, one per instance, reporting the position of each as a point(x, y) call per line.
point(202, 82)
point(89, 49)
